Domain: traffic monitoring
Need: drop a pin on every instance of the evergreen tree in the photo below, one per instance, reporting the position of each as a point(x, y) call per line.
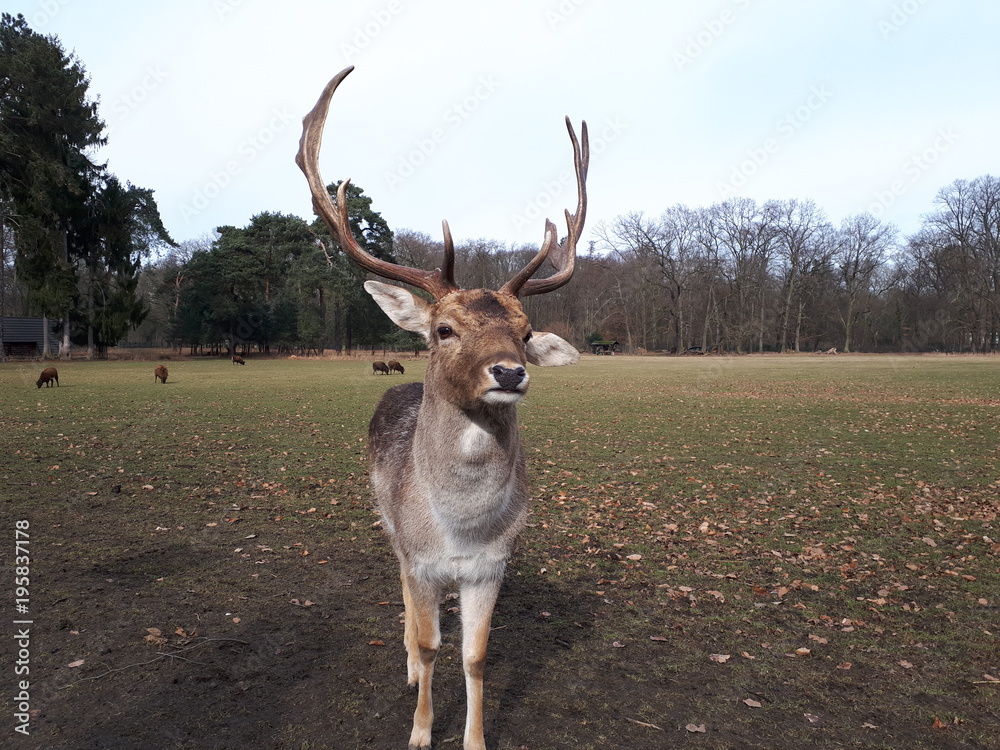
point(48, 129)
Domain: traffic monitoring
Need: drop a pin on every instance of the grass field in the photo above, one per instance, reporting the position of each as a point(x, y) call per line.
point(732, 552)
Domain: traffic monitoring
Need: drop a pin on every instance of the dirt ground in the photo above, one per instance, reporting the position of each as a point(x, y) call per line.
point(241, 665)
point(259, 645)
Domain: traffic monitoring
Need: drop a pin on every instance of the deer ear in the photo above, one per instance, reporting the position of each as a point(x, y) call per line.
point(548, 350)
point(409, 312)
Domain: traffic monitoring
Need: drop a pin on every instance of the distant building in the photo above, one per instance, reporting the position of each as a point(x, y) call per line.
point(25, 337)
point(605, 347)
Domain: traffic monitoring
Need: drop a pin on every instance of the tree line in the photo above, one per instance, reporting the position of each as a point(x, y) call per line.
point(742, 276)
point(736, 276)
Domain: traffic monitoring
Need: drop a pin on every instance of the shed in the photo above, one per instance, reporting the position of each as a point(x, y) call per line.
point(605, 347)
point(25, 337)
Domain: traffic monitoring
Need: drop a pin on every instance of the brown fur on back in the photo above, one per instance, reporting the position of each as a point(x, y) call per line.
point(48, 375)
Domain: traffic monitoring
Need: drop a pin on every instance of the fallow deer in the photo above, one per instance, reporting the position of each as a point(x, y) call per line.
point(446, 461)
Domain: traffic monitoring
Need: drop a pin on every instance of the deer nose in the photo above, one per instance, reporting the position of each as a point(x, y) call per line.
point(507, 378)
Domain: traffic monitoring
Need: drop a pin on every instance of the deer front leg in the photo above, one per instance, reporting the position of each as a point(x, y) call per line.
point(422, 636)
point(477, 602)
point(410, 635)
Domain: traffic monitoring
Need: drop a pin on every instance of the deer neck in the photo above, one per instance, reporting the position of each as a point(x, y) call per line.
point(471, 465)
point(476, 440)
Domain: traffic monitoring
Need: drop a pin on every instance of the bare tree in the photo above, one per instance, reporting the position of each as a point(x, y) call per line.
point(746, 233)
point(864, 245)
point(803, 238)
point(961, 240)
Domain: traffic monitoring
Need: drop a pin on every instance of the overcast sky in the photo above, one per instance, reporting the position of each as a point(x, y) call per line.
point(455, 110)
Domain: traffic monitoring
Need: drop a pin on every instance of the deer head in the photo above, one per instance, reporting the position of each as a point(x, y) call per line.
point(486, 331)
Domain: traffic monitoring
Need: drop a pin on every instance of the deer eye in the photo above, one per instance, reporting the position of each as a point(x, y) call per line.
point(444, 332)
point(527, 337)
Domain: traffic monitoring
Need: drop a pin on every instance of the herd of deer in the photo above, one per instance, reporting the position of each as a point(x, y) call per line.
point(445, 455)
point(160, 372)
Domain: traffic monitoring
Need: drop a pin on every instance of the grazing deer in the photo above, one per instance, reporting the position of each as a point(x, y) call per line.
point(160, 373)
point(378, 367)
point(238, 360)
point(445, 455)
point(49, 374)
point(394, 366)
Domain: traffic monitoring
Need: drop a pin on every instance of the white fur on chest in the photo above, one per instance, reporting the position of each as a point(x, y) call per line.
point(476, 444)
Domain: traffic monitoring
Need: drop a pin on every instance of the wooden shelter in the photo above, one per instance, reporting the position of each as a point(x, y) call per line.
point(23, 338)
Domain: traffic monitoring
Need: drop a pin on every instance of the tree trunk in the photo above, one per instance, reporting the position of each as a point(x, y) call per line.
point(708, 319)
point(45, 337)
point(798, 327)
point(65, 351)
point(786, 317)
point(91, 354)
point(847, 325)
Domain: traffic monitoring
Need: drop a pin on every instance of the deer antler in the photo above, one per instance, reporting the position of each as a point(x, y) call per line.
point(335, 215)
point(563, 257)
point(438, 283)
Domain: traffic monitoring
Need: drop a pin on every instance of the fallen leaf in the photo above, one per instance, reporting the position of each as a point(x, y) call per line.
point(616, 644)
point(752, 703)
point(719, 658)
point(376, 642)
point(844, 665)
point(657, 638)
point(866, 725)
point(76, 663)
point(905, 664)
point(695, 727)
point(635, 558)
point(938, 724)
